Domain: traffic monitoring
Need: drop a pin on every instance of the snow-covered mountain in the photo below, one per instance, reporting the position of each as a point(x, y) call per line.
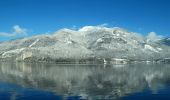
point(89, 42)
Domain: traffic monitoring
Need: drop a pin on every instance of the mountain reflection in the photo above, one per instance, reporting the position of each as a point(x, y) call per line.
point(87, 81)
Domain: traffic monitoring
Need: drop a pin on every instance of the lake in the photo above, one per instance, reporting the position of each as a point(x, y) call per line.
point(40, 81)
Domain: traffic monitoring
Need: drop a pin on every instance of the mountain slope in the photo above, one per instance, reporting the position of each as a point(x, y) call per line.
point(89, 42)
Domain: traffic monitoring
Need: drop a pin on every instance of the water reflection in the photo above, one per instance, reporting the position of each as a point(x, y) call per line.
point(87, 81)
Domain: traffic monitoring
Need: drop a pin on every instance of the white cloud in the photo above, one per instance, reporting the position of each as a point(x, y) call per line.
point(152, 36)
point(18, 31)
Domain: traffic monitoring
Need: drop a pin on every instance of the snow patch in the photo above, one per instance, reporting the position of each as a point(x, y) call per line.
point(160, 49)
point(99, 40)
point(150, 48)
point(16, 51)
point(34, 43)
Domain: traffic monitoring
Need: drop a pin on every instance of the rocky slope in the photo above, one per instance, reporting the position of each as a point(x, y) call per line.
point(87, 44)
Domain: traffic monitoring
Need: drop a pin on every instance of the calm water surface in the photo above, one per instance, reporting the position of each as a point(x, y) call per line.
point(28, 81)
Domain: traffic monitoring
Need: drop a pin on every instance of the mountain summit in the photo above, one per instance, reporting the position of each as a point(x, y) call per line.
point(90, 43)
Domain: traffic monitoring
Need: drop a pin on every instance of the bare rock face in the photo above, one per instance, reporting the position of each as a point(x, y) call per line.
point(89, 42)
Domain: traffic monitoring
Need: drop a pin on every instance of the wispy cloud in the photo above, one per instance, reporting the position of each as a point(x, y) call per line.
point(103, 25)
point(17, 31)
point(4, 34)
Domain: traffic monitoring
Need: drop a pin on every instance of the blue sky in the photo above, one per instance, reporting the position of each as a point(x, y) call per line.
point(34, 17)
